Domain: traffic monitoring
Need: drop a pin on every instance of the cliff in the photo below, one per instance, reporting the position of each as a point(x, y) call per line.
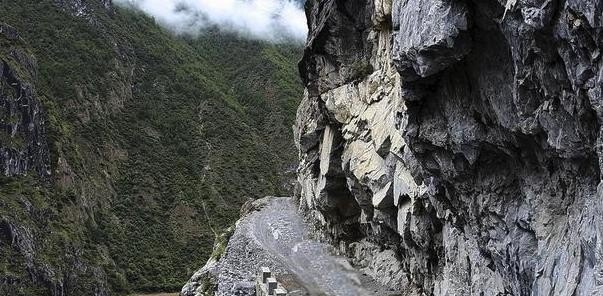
point(452, 147)
point(22, 126)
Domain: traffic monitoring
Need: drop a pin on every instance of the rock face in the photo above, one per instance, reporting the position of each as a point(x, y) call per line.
point(84, 8)
point(24, 151)
point(453, 147)
point(23, 145)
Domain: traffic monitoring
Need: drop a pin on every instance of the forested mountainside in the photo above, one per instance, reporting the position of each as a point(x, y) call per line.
point(125, 148)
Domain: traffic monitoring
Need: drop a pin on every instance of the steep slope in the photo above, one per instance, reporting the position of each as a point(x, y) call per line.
point(453, 147)
point(123, 147)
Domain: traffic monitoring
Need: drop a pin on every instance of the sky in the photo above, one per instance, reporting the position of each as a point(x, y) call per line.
point(270, 20)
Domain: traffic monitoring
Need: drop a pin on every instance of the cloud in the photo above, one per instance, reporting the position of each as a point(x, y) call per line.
point(271, 20)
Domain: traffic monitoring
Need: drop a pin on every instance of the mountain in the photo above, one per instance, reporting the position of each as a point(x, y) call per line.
point(125, 150)
point(446, 147)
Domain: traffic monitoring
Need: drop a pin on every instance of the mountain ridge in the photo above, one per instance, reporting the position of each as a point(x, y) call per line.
point(149, 147)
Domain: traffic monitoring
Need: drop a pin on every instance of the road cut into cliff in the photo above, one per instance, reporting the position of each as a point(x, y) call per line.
point(273, 234)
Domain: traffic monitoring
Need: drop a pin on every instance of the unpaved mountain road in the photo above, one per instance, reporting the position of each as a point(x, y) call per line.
point(279, 231)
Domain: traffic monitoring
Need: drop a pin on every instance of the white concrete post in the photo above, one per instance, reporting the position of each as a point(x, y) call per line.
point(265, 274)
point(272, 284)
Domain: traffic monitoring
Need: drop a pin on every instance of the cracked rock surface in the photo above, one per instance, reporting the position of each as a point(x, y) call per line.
point(452, 147)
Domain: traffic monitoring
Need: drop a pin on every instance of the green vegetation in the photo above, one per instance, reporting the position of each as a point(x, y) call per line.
point(155, 140)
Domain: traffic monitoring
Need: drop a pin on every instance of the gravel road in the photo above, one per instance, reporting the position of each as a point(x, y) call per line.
point(280, 229)
point(275, 235)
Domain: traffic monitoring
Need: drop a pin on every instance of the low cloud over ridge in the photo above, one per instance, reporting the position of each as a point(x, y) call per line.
point(271, 20)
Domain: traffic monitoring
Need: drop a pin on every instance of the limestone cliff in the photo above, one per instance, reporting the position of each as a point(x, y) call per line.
point(453, 147)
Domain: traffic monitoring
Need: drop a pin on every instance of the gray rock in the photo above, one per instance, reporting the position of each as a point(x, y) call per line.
point(468, 139)
point(23, 145)
point(9, 32)
point(429, 36)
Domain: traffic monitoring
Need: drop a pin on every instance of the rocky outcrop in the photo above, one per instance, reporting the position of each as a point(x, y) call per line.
point(84, 8)
point(452, 147)
point(25, 155)
point(23, 146)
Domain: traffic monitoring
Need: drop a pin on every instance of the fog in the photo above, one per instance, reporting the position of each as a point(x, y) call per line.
point(270, 20)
